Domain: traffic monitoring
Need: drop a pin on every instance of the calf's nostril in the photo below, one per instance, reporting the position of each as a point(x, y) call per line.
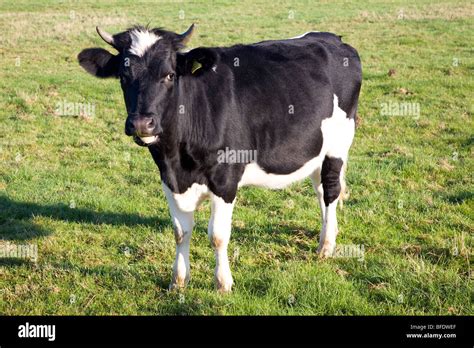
point(150, 125)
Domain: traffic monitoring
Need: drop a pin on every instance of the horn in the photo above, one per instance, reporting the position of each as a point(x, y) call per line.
point(105, 36)
point(187, 35)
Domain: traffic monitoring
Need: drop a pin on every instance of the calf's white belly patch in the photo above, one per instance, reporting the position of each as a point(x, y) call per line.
point(254, 175)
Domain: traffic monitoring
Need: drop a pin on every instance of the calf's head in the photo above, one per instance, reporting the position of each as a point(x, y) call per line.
point(147, 66)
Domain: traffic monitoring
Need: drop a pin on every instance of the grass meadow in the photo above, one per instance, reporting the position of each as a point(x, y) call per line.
point(90, 200)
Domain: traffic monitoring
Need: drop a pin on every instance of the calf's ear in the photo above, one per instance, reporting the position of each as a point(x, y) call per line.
point(99, 62)
point(196, 62)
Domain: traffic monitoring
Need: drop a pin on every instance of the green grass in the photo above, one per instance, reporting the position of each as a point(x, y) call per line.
point(91, 200)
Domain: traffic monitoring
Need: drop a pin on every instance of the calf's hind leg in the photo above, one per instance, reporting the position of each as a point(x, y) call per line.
point(331, 172)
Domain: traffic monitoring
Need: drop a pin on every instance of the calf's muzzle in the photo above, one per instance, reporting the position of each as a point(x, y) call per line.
point(140, 126)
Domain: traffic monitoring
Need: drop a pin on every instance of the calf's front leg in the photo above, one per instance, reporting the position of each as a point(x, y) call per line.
point(183, 223)
point(219, 234)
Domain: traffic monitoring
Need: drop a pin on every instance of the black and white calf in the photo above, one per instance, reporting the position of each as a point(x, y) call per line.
point(292, 102)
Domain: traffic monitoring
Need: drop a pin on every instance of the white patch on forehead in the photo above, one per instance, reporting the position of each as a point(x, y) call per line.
point(141, 41)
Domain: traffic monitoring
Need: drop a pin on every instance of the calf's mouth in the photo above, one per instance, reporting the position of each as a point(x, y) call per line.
point(145, 140)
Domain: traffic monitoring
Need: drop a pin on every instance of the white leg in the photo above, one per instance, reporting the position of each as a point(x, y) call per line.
point(219, 234)
point(327, 239)
point(183, 223)
point(183, 226)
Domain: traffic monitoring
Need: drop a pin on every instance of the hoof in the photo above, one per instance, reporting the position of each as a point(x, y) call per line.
point(326, 250)
point(224, 289)
point(178, 283)
point(224, 285)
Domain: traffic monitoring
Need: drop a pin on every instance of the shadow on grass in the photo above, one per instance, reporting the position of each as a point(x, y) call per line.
point(458, 198)
point(15, 224)
point(282, 240)
point(15, 262)
point(113, 276)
